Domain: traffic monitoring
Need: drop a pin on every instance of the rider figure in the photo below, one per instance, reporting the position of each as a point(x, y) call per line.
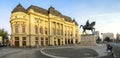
point(87, 23)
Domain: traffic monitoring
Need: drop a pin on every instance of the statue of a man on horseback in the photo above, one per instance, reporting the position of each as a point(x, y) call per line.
point(88, 26)
point(87, 23)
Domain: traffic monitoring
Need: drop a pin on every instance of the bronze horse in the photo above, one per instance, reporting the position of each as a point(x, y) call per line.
point(88, 26)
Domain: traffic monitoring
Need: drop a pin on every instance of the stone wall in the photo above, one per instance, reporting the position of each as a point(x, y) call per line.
point(88, 40)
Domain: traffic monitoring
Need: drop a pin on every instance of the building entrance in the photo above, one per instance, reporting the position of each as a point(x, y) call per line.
point(16, 43)
point(24, 41)
point(58, 41)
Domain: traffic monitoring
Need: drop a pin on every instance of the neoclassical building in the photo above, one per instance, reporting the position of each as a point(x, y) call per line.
point(37, 26)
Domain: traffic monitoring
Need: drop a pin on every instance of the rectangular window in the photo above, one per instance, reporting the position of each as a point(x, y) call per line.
point(68, 33)
point(16, 38)
point(42, 42)
point(16, 29)
point(36, 29)
point(61, 32)
point(47, 42)
point(46, 30)
point(36, 40)
point(54, 31)
point(58, 31)
point(23, 29)
point(76, 35)
point(24, 41)
point(61, 29)
point(71, 33)
point(65, 32)
point(41, 30)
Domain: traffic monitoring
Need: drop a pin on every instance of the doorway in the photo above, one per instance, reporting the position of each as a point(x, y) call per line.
point(58, 41)
point(16, 43)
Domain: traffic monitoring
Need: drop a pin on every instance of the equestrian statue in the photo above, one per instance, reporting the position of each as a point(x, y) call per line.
point(88, 26)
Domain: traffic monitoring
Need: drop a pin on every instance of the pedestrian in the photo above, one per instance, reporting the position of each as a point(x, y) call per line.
point(108, 47)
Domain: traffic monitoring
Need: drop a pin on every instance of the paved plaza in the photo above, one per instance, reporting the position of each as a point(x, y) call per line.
point(77, 51)
point(21, 53)
point(69, 51)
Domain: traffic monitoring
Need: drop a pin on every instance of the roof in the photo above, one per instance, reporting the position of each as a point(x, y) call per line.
point(38, 9)
point(19, 8)
point(75, 22)
point(67, 18)
point(52, 11)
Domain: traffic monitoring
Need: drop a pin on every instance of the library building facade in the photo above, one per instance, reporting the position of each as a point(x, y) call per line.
point(36, 26)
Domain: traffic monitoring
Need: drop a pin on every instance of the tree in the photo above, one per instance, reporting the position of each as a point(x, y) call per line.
point(4, 34)
point(107, 39)
point(98, 40)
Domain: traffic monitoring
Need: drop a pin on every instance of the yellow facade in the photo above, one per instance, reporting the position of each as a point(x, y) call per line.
point(36, 26)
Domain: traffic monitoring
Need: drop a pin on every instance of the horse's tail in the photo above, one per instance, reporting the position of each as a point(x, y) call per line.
point(81, 26)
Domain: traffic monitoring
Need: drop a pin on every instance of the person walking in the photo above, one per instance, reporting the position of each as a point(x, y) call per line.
point(109, 47)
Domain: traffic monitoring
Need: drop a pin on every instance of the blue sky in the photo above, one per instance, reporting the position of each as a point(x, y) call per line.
point(106, 13)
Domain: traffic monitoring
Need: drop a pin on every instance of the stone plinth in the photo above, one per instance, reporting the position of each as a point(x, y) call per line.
point(88, 40)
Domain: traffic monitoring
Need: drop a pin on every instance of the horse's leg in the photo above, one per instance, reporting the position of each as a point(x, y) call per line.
point(84, 31)
point(94, 29)
point(91, 30)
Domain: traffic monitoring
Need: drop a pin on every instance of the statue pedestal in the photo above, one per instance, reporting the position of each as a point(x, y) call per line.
point(88, 40)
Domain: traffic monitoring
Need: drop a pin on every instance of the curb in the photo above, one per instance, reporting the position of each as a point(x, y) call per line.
point(53, 56)
point(49, 55)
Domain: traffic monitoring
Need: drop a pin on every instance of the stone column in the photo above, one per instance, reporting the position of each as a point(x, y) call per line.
point(55, 28)
point(27, 41)
point(63, 41)
point(20, 41)
point(73, 40)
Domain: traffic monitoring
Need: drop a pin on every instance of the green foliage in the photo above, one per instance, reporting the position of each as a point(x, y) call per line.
point(108, 39)
point(4, 34)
